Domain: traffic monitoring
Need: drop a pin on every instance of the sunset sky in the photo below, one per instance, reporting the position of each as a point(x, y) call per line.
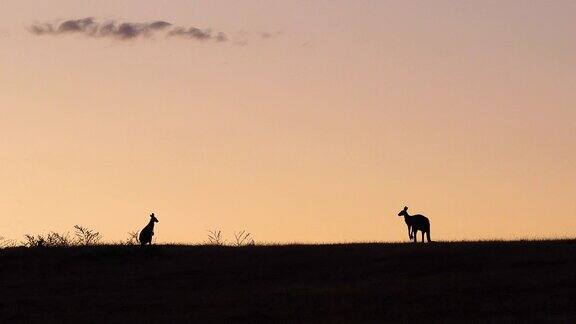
point(299, 121)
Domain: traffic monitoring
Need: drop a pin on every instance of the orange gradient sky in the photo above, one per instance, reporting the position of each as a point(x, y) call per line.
point(463, 110)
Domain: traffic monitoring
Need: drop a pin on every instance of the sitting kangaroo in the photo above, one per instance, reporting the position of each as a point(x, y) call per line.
point(416, 223)
point(148, 231)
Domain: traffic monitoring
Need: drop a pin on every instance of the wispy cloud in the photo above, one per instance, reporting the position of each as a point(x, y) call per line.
point(125, 31)
point(90, 27)
point(198, 34)
point(267, 35)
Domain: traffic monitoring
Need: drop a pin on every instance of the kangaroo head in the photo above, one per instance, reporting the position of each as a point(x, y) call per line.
point(153, 218)
point(403, 212)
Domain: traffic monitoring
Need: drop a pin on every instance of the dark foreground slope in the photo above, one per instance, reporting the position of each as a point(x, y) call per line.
point(441, 282)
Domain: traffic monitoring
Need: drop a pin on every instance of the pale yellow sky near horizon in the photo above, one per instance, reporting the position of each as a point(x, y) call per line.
point(462, 110)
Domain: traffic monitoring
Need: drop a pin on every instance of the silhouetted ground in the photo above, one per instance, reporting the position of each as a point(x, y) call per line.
point(441, 282)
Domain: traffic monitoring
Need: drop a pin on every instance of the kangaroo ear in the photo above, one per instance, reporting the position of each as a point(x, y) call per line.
point(152, 215)
point(405, 208)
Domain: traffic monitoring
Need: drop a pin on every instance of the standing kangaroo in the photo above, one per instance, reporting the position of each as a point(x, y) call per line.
point(416, 223)
point(148, 231)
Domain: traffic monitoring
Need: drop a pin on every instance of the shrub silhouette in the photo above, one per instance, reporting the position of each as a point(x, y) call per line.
point(86, 236)
point(215, 238)
point(83, 237)
point(132, 238)
point(4, 243)
point(33, 241)
point(52, 239)
point(243, 238)
point(57, 239)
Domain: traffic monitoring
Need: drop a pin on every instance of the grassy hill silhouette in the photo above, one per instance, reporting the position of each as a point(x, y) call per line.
point(442, 282)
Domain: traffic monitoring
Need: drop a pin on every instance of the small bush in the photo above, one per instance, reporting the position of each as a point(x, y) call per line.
point(243, 238)
point(34, 241)
point(57, 239)
point(82, 236)
point(4, 243)
point(133, 238)
point(86, 236)
point(52, 239)
point(215, 238)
